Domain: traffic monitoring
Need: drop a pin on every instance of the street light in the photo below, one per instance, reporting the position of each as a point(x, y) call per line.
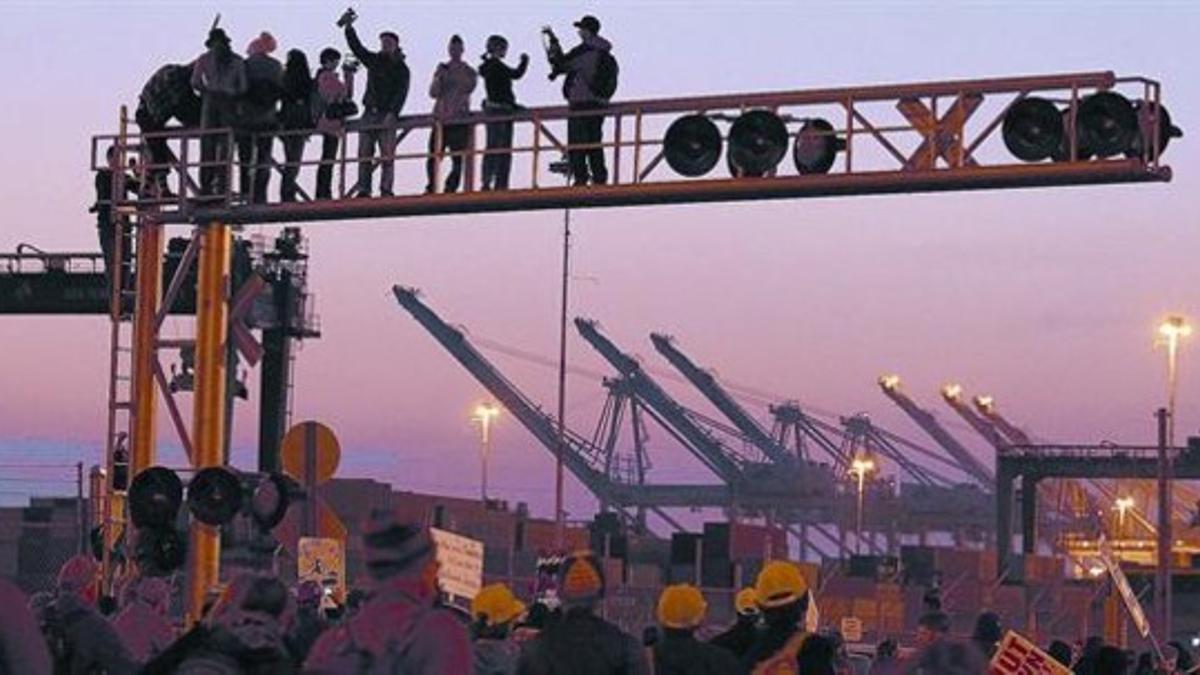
point(859, 468)
point(1170, 331)
point(1122, 505)
point(484, 414)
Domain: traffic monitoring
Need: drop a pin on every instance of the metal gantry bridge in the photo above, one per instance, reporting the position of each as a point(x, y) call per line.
point(1014, 132)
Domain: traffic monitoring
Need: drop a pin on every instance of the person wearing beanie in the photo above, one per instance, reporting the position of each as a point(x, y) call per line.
point(580, 642)
point(398, 629)
point(220, 76)
point(453, 82)
point(738, 637)
point(80, 639)
point(781, 593)
point(681, 611)
point(494, 611)
point(142, 621)
point(259, 118)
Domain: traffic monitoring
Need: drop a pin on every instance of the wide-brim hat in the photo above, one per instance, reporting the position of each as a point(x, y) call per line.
point(217, 35)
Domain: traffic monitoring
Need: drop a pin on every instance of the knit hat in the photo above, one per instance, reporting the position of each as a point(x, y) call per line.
point(394, 547)
point(580, 578)
point(263, 44)
point(77, 574)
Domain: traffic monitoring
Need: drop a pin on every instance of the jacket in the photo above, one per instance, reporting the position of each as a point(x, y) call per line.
point(82, 642)
point(580, 65)
point(145, 631)
point(451, 88)
point(581, 643)
point(387, 77)
point(264, 87)
point(398, 630)
point(496, 657)
point(212, 77)
point(330, 89)
point(22, 649)
point(738, 638)
point(246, 643)
point(498, 80)
point(168, 93)
point(680, 653)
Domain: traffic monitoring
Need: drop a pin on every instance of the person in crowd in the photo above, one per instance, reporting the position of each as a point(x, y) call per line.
point(1060, 651)
point(295, 119)
point(536, 617)
point(106, 228)
point(399, 629)
point(1185, 663)
point(387, 90)
point(1088, 655)
point(948, 657)
point(80, 641)
point(782, 597)
point(167, 95)
point(495, 611)
point(681, 611)
point(259, 116)
point(22, 649)
point(590, 79)
point(331, 92)
point(453, 82)
point(310, 622)
point(932, 627)
point(738, 637)
point(244, 633)
point(1110, 660)
point(817, 656)
point(220, 76)
point(887, 659)
point(142, 621)
point(580, 642)
point(988, 632)
point(498, 79)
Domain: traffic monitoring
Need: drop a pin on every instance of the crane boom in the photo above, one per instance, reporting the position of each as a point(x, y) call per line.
point(716, 394)
point(925, 419)
point(711, 452)
point(952, 395)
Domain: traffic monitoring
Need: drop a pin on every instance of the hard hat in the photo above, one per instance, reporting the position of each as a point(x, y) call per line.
point(681, 606)
point(496, 605)
point(779, 583)
point(746, 601)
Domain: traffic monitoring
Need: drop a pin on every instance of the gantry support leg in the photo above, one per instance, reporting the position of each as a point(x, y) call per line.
point(208, 421)
point(145, 335)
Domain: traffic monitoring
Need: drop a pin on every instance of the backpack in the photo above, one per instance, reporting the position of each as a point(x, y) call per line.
point(604, 82)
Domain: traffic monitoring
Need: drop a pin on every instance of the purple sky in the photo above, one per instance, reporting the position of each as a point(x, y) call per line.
point(1046, 299)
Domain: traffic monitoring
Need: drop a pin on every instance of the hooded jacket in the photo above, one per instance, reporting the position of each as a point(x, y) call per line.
point(581, 643)
point(398, 630)
point(580, 65)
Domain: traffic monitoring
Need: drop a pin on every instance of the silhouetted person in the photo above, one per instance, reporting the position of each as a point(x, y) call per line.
point(987, 634)
point(1060, 651)
point(259, 117)
point(80, 640)
point(453, 82)
point(331, 92)
point(738, 637)
point(1110, 661)
point(106, 228)
point(295, 119)
point(387, 90)
point(220, 77)
point(498, 82)
point(681, 611)
point(590, 79)
point(817, 656)
point(166, 96)
point(782, 595)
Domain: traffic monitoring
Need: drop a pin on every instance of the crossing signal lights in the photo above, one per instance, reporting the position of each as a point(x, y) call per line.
point(758, 142)
point(155, 496)
point(1106, 125)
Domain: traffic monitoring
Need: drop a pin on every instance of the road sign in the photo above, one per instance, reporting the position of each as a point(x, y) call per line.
point(460, 561)
point(323, 560)
point(1122, 583)
point(852, 629)
point(310, 449)
point(1018, 656)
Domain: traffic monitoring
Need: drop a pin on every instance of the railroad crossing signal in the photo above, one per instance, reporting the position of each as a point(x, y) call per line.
point(310, 453)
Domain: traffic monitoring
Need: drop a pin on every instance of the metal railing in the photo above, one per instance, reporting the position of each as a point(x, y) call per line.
point(29, 259)
point(890, 135)
point(1138, 452)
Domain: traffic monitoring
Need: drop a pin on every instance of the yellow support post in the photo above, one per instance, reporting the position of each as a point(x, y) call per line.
point(208, 421)
point(145, 314)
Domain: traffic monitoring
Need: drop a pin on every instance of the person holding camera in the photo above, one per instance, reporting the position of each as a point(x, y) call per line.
point(387, 90)
point(591, 81)
point(498, 79)
point(453, 82)
point(332, 94)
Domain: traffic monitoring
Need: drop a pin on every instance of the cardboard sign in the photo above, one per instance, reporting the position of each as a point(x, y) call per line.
point(852, 629)
point(324, 561)
point(1018, 656)
point(1122, 583)
point(460, 561)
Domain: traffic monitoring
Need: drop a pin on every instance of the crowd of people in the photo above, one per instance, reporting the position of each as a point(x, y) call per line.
point(268, 103)
point(257, 625)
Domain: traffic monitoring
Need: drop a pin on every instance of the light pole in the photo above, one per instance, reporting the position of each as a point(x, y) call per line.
point(1122, 505)
point(1171, 330)
point(859, 468)
point(484, 414)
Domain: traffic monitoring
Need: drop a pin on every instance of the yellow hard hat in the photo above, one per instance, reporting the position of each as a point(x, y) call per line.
point(496, 604)
point(681, 606)
point(779, 583)
point(746, 601)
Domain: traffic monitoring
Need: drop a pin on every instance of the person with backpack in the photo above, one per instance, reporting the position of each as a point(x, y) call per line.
point(80, 640)
point(453, 82)
point(498, 79)
point(387, 90)
point(399, 629)
point(295, 119)
point(579, 642)
point(591, 81)
point(259, 117)
point(332, 93)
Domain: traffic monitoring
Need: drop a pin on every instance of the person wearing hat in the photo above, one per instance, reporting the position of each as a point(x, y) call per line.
point(220, 77)
point(398, 629)
point(142, 622)
point(782, 597)
point(495, 610)
point(453, 82)
point(498, 79)
point(259, 116)
point(387, 90)
point(580, 642)
point(738, 637)
point(681, 610)
point(583, 91)
point(80, 639)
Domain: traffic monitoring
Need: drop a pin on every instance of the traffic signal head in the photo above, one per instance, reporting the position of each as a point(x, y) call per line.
point(214, 496)
point(155, 497)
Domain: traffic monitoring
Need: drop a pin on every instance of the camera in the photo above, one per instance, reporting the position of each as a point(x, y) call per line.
point(348, 17)
point(350, 65)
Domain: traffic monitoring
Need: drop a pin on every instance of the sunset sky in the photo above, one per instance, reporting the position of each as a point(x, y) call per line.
point(1046, 299)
